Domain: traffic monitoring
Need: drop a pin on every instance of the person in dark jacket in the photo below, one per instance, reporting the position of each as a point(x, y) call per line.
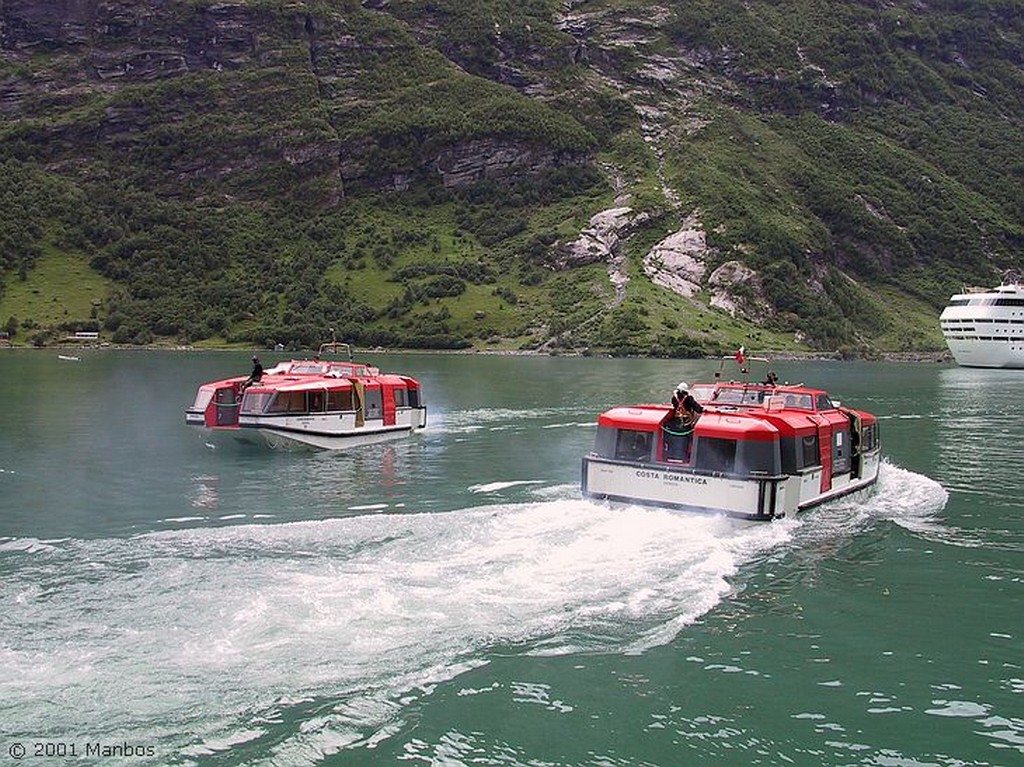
point(686, 407)
point(256, 375)
point(679, 426)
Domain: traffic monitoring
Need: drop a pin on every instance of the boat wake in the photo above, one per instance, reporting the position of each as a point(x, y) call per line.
point(504, 419)
point(307, 638)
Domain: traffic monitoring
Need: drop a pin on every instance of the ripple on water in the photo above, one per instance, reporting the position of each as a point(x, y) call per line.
point(317, 635)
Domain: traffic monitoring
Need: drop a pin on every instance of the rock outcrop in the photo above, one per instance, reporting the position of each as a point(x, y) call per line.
point(678, 263)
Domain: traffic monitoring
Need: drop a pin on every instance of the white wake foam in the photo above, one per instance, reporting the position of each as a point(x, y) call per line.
point(216, 632)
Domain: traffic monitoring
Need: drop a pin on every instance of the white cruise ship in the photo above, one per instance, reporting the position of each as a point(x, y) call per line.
point(985, 328)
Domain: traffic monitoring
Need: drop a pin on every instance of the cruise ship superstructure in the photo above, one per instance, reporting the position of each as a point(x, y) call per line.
point(985, 328)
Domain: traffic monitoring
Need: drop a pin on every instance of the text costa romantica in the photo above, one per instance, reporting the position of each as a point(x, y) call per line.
point(691, 479)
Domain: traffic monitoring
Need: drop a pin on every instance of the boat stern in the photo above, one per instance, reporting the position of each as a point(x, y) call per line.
point(759, 498)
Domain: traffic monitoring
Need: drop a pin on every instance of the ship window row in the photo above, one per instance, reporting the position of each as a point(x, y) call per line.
point(793, 454)
point(983, 319)
point(705, 453)
point(333, 400)
point(987, 302)
point(320, 401)
point(1008, 339)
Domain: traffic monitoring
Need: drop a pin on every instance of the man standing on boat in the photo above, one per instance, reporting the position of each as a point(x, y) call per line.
point(679, 427)
point(686, 407)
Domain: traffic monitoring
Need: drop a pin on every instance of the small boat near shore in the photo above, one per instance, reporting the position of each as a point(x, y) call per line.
point(318, 404)
point(759, 450)
point(985, 328)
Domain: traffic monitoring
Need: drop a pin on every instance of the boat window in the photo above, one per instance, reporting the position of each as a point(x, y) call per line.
point(715, 454)
point(604, 441)
point(400, 399)
point(414, 398)
point(345, 370)
point(824, 402)
point(702, 393)
point(316, 402)
point(288, 402)
point(993, 302)
point(256, 402)
point(757, 457)
point(308, 368)
point(799, 401)
point(808, 455)
point(374, 403)
point(728, 397)
point(753, 396)
point(203, 397)
point(633, 445)
point(339, 399)
point(799, 453)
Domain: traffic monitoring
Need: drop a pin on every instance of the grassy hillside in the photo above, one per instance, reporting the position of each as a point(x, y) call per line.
point(409, 173)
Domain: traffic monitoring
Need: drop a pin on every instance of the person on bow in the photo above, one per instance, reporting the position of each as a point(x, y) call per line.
point(687, 409)
point(256, 375)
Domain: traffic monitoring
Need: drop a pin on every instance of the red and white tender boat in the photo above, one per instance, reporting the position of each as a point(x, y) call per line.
point(311, 403)
point(758, 451)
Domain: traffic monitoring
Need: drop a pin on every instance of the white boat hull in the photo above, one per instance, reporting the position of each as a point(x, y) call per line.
point(316, 432)
point(289, 440)
point(974, 353)
point(759, 498)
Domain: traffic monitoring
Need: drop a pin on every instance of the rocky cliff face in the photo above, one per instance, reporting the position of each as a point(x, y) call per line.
point(208, 93)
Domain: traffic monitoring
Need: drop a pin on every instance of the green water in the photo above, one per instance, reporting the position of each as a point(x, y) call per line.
point(449, 599)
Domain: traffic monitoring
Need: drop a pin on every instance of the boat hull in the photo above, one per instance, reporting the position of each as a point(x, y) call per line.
point(310, 433)
point(745, 497)
point(288, 440)
point(974, 353)
point(277, 439)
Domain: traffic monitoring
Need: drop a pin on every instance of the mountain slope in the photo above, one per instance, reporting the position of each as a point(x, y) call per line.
point(671, 178)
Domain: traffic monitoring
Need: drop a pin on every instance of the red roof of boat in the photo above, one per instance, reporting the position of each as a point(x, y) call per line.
point(786, 409)
point(637, 417)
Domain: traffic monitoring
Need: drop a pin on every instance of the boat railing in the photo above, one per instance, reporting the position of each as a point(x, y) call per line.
point(332, 348)
point(745, 367)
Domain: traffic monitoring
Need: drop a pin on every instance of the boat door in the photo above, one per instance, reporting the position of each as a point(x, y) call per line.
point(856, 457)
point(359, 395)
point(225, 406)
point(825, 446)
point(389, 405)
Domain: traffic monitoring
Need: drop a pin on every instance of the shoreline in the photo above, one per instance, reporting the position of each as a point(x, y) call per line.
point(932, 357)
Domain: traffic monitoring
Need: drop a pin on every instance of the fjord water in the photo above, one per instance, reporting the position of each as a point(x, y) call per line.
point(450, 599)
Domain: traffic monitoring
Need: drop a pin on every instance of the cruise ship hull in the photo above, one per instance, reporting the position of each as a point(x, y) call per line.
point(972, 353)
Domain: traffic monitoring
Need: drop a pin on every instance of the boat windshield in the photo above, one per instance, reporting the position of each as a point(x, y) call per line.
point(738, 396)
point(342, 370)
point(702, 392)
point(798, 401)
point(309, 368)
